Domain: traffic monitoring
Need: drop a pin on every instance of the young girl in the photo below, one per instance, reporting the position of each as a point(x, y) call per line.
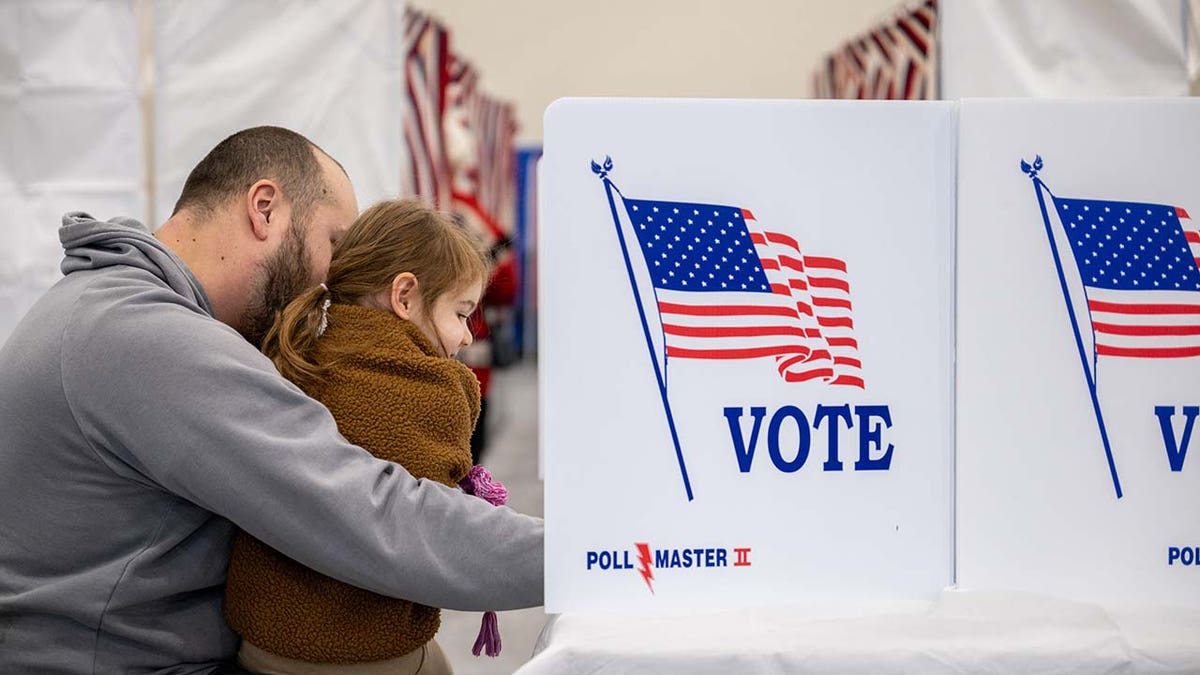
point(375, 345)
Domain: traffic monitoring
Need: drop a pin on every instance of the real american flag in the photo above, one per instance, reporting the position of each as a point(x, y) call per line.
point(1140, 269)
point(898, 59)
point(727, 289)
point(426, 61)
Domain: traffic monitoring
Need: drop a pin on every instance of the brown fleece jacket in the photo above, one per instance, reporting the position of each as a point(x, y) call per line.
point(393, 395)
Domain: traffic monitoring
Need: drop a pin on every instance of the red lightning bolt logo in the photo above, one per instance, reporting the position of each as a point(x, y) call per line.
point(644, 557)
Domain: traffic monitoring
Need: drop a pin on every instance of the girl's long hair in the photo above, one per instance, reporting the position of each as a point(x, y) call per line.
point(391, 237)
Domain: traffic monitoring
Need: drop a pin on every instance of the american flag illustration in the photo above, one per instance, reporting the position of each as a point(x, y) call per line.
point(727, 289)
point(1140, 267)
point(724, 288)
point(1140, 270)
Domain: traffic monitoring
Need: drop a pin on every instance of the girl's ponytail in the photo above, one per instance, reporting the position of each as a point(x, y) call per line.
point(292, 341)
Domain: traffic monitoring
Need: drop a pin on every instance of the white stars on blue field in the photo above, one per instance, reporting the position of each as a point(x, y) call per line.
point(1129, 246)
point(697, 247)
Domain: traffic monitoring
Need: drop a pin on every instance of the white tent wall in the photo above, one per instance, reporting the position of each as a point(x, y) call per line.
point(1193, 46)
point(70, 133)
point(92, 90)
point(1064, 48)
point(329, 69)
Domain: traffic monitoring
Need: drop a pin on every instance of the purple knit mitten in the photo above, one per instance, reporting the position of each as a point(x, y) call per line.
point(479, 483)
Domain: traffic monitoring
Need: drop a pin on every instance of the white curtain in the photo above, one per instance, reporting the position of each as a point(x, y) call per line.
point(1063, 48)
point(104, 101)
point(1193, 43)
point(70, 133)
point(329, 69)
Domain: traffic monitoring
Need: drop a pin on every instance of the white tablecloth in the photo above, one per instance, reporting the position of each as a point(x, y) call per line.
point(962, 632)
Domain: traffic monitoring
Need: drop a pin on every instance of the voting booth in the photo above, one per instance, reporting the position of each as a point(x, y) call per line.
point(1079, 348)
point(942, 422)
point(746, 340)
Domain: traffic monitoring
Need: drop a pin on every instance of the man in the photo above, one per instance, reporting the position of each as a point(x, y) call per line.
point(139, 424)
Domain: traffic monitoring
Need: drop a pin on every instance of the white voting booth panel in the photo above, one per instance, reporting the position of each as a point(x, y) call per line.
point(1079, 349)
point(745, 352)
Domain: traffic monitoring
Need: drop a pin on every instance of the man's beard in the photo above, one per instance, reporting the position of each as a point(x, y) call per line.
point(284, 276)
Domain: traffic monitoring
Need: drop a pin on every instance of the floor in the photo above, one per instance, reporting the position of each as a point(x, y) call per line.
point(512, 458)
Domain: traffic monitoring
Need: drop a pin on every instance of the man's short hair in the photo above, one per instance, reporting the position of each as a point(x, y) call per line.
point(248, 156)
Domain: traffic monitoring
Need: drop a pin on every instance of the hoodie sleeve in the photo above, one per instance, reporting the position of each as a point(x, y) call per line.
point(174, 399)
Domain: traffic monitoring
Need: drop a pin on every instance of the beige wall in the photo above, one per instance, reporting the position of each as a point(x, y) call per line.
point(534, 51)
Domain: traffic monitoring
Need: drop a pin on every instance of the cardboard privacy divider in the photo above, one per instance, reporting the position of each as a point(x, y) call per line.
point(1079, 348)
point(746, 346)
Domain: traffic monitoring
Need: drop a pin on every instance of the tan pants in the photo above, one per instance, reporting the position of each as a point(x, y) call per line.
point(428, 659)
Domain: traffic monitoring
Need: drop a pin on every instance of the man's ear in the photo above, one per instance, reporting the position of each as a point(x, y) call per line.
point(262, 201)
point(403, 298)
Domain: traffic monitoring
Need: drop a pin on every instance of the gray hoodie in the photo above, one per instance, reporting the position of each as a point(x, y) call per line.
point(136, 430)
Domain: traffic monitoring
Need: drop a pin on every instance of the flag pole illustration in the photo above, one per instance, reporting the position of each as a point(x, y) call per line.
point(1139, 267)
point(710, 284)
point(659, 373)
